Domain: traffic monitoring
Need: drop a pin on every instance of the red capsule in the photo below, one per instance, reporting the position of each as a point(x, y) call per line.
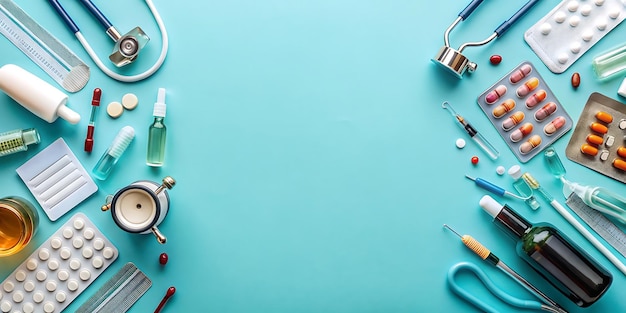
point(474, 160)
point(575, 80)
point(495, 59)
point(163, 258)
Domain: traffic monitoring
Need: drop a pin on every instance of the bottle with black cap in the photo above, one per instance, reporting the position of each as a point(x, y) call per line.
point(565, 265)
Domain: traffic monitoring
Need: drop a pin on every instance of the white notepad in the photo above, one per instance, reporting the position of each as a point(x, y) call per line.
point(56, 179)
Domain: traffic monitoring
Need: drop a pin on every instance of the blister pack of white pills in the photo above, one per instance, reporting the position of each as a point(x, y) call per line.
point(59, 270)
point(571, 28)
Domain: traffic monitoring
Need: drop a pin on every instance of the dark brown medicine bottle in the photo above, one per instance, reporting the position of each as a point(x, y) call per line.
point(565, 265)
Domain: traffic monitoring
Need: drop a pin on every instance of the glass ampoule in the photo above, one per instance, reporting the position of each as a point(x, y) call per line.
point(157, 133)
point(553, 255)
point(524, 190)
point(17, 140)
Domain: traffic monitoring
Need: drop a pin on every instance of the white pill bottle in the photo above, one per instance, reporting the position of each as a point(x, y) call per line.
point(35, 94)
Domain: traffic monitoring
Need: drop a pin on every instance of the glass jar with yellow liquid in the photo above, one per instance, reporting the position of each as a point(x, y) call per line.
point(18, 224)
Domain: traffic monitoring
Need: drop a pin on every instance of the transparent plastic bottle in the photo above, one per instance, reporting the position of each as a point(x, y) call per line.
point(610, 63)
point(524, 190)
point(17, 140)
point(560, 261)
point(110, 157)
point(157, 133)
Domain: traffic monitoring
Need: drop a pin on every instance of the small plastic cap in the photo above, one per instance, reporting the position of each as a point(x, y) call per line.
point(490, 205)
point(159, 105)
point(515, 171)
point(68, 114)
point(30, 136)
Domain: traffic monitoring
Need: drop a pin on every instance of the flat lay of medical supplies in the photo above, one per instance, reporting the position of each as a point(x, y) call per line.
point(452, 60)
point(51, 55)
point(59, 270)
point(599, 138)
point(568, 31)
point(526, 113)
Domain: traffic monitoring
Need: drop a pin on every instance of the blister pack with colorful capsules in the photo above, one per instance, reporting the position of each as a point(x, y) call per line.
point(525, 112)
point(571, 28)
point(599, 139)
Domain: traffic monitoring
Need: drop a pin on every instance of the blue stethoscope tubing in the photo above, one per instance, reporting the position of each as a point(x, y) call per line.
point(464, 294)
point(106, 24)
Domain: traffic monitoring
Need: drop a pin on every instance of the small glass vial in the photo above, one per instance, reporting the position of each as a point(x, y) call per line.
point(548, 251)
point(610, 63)
point(524, 190)
point(17, 140)
point(18, 224)
point(157, 133)
point(104, 166)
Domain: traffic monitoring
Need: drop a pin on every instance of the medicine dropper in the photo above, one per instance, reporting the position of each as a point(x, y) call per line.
point(598, 198)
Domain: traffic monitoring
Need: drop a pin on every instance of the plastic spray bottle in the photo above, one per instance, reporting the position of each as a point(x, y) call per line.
point(157, 132)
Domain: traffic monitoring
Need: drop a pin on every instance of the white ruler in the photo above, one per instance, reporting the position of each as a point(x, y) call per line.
point(45, 50)
point(610, 232)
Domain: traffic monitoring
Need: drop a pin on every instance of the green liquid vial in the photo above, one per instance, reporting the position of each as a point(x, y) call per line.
point(549, 252)
point(157, 133)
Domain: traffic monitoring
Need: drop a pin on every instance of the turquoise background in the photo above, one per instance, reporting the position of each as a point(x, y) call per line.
point(315, 165)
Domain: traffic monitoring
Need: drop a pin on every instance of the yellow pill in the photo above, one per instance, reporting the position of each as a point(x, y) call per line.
point(599, 128)
point(619, 163)
point(589, 149)
point(503, 108)
point(604, 117)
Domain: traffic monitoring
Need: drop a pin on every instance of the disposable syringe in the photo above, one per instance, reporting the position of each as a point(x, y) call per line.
point(472, 132)
point(491, 258)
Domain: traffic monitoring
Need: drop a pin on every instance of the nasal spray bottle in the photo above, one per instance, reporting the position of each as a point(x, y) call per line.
point(598, 198)
point(104, 166)
point(157, 132)
point(35, 94)
point(565, 265)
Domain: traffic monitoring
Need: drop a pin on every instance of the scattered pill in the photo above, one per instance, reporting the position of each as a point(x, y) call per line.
point(460, 143)
point(622, 124)
point(500, 170)
point(115, 109)
point(554, 125)
point(474, 160)
point(599, 128)
point(610, 140)
point(594, 139)
point(530, 144)
point(520, 73)
point(604, 117)
point(163, 258)
point(495, 94)
point(527, 87)
point(604, 155)
point(621, 151)
point(129, 101)
point(535, 99)
point(545, 28)
point(575, 80)
point(575, 47)
point(589, 149)
point(620, 164)
point(545, 111)
point(521, 132)
point(504, 108)
point(495, 59)
point(513, 120)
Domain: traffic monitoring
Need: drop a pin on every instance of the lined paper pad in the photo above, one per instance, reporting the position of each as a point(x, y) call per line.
point(56, 179)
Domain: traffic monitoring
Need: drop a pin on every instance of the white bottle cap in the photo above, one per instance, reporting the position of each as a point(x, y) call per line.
point(159, 105)
point(515, 171)
point(35, 94)
point(490, 205)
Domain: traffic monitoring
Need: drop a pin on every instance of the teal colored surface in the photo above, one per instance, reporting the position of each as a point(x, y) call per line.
point(315, 165)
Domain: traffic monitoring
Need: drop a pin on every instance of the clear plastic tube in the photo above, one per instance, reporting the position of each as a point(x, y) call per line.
point(610, 63)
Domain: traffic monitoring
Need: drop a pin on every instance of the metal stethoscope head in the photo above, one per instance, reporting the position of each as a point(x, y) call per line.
point(452, 59)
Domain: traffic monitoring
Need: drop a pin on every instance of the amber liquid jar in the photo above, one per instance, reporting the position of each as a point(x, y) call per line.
point(565, 265)
point(18, 224)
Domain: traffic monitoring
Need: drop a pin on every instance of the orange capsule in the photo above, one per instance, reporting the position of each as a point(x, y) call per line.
point(527, 87)
point(535, 99)
point(589, 149)
point(620, 164)
point(554, 125)
point(621, 151)
point(530, 144)
point(604, 117)
point(521, 132)
point(513, 120)
point(595, 139)
point(599, 128)
point(504, 108)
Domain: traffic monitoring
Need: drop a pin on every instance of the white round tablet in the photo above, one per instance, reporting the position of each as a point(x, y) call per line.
point(574, 21)
point(460, 143)
point(115, 109)
point(614, 13)
point(587, 35)
point(545, 28)
point(585, 10)
point(563, 58)
point(130, 101)
point(500, 170)
point(575, 47)
point(559, 17)
point(572, 6)
point(601, 23)
point(599, 2)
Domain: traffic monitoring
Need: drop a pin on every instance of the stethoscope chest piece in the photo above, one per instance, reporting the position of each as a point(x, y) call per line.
point(141, 206)
point(454, 61)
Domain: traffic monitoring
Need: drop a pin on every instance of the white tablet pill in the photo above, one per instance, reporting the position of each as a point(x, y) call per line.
point(546, 28)
point(563, 58)
point(115, 109)
point(560, 17)
point(500, 170)
point(599, 2)
point(572, 6)
point(574, 21)
point(575, 47)
point(587, 35)
point(614, 13)
point(601, 23)
point(585, 10)
point(460, 143)
point(130, 101)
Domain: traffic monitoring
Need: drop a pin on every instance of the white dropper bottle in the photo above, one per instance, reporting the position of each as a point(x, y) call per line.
point(35, 94)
